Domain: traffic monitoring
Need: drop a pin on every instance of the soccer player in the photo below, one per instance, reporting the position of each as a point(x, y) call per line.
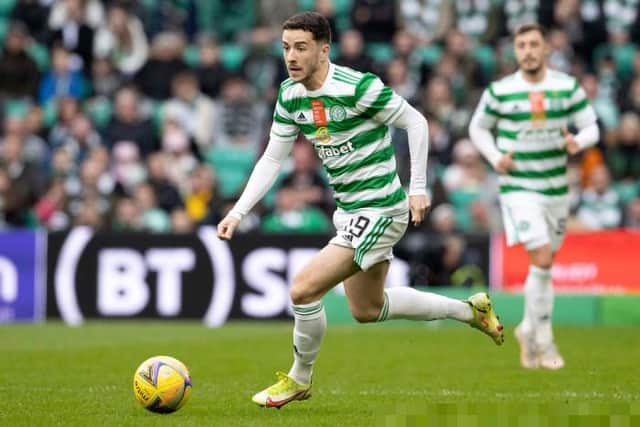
point(346, 115)
point(530, 111)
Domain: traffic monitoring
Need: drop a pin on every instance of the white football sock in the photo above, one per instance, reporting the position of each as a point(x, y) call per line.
point(310, 324)
point(412, 304)
point(538, 306)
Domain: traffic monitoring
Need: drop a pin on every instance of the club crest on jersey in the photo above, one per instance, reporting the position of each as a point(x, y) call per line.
point(337, 113)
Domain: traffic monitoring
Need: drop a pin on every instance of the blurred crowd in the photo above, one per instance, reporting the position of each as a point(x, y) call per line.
point(150, 114)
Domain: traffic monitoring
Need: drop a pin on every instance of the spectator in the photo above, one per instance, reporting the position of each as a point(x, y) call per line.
point(201, 201)
point(90, 12)
point(211, 71)
point(105, 78)
point(152, 218)
point(600, 206)
point(127, 124)
point(181, 222)
point(469, 188)
point(96, 187)
point(50, 209)
point(20, 74)
point(304, 182)
point(241, 118)
point(623, 153)
point(126, 215)
point(179, 160)
point(261, 67)
point(375, 19)
point(164, 64)
point(123, 40)
point(427, 20)
point(89, 214)
point(292, 216)
point(62, 81)
point(70, 30)
point(26, 183)
point(352, 52)
point(128, 169)
point(82, 138)
point(632, 214)
point(192, 109)
point(68, 109)
point(397, 77)
point(35, 150)
point(34, 14)
point(166, 193)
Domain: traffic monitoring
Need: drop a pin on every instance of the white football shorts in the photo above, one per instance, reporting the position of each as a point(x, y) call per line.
point(370, 233)
point(535, 224)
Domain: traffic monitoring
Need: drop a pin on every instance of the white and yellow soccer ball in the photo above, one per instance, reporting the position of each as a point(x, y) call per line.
point(162, 384)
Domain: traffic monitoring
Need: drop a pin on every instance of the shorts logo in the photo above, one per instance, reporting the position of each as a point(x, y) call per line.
point(523, 225)
point(337, 113)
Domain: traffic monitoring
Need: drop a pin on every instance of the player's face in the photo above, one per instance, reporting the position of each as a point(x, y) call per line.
point(530, 49)
point(302, 54)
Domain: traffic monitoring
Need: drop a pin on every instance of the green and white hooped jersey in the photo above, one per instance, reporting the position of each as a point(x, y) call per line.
point(529, 120)
point(347, 122)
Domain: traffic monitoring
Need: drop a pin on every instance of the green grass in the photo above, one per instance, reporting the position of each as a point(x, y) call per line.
point(366, 375)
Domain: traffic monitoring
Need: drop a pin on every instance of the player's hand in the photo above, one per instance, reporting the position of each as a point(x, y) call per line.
point(570, 143)
point(505, 163)
point(227, 226)
point(418, 205)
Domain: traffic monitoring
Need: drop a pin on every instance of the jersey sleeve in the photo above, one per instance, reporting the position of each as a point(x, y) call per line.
point(581, 111)
point(283, 128)
point(487, 111)
point(376, 101)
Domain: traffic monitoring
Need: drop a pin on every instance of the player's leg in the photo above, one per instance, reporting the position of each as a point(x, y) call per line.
point(369, 302)
point(548, 355)
point(329, 267)
point(527, 224)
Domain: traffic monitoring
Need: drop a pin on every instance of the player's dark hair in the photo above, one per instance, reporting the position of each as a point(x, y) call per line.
point(533, 26)
point(312, 22)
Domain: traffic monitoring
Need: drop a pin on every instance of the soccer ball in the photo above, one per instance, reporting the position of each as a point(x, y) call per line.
point(162, 384)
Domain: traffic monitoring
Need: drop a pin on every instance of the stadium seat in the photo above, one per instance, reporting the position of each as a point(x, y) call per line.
point(430, 54)
point(232, 164)
point(4, 26)
point(381, 52)
point(232, 55)
point(40, 54)
point(191, 55)
point(99, 110)
point(6, 7)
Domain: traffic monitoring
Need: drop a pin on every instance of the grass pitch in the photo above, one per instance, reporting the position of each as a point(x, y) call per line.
point(366, 375)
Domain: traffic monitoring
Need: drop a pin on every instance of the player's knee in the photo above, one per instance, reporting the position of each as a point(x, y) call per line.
point(366, 315)
point(300, 291)
point(541, 257)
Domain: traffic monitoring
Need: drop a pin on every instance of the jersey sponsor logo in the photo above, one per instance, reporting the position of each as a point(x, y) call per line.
point(337, 113)
point(301, 117)
point(535, 135)
point(336, 151)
